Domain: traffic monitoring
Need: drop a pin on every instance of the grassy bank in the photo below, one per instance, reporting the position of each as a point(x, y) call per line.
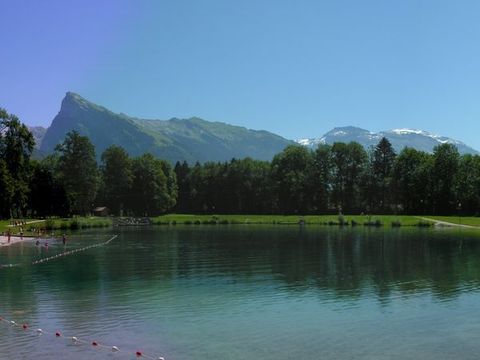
point(347, 220)
point(56, 224)
point(467, 220)
point(78, 223)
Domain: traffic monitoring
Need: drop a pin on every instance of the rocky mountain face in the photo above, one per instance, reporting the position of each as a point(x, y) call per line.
point(400, 138)
point(195, 139)
point(191, 139)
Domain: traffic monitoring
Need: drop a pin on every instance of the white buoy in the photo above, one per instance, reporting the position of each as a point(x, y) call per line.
point(40, 331)
point(13, 323)
point(115, 349)
point(74, 339)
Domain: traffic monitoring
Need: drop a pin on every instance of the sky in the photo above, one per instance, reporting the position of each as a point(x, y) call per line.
point(297, 68)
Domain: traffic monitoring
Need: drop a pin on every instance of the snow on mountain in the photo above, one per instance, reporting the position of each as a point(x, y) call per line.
point(400, 138)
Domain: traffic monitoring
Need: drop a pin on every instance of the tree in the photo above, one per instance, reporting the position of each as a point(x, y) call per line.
point(6, 190)
point(117, 178)
point(445, 167)
point(182, 172)
point(16, 146)
point(78, 171)
point(349, 162)
point(412, 181)
point(290, 170)
point(321, 177)
point(154, 186)
point(382, 162)
point(47, 195)
point(467, 184)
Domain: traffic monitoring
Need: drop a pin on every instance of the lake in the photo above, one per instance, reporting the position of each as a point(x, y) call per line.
point(248, 292)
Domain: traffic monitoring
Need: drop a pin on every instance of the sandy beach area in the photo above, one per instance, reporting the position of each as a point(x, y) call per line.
point(14, 239)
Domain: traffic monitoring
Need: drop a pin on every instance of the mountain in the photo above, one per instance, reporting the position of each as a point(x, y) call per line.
point(191, 139)
point(38, 133)
point(400, 138)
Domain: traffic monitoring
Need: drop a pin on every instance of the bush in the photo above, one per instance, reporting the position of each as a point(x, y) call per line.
point(197, 222)
point(187, 222)
point(173, 222)
point(422, 223)
point(223, 222)
point(341, 220)
point(354, 223)
point(74, 224)
point(49, 224)
point(376, 223)
point(396, 223)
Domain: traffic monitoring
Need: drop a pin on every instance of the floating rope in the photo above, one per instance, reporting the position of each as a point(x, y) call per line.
point(71, 252)
point(93, 343)
point(66, 253)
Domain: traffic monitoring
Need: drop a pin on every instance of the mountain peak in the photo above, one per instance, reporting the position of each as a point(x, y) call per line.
point(73, 102)
point(191, 139)
point(400, 138)
point(346, 131)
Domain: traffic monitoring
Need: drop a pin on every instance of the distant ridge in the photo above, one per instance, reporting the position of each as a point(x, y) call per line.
point(191, 139)
point(38, 133)
point(400, 138)
point(199, 140)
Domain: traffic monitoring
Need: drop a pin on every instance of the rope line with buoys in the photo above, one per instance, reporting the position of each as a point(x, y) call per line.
point(93, 343)
point(66, 253)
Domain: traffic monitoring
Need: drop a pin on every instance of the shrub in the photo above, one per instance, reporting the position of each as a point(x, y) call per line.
point(223, 222)
point(341, 220)
point(187, 222)
point(74, 224)
point(49, 224)
point(376, 223)
point(396, 223)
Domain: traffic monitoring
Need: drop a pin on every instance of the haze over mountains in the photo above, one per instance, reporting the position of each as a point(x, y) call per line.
point(195, 139)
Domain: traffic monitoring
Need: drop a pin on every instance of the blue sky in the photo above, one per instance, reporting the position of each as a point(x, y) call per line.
point(297, 68)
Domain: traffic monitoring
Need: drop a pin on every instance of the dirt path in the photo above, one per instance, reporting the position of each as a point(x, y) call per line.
point(445, 223)
point(27, 223)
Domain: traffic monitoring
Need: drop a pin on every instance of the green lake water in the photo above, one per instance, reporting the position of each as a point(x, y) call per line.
point(247, 292)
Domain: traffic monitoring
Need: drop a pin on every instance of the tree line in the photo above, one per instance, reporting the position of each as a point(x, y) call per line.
point(338, 178)
point(70, 182)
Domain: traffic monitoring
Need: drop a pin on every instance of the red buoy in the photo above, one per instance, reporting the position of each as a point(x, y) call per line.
point(57, 334)
point(139, 354)
point(94, 343)
point(25, 326)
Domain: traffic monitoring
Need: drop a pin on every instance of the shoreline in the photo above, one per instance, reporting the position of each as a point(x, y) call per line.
point(14, 239)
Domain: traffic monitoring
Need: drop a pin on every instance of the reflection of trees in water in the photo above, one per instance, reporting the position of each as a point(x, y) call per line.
point(344, 262)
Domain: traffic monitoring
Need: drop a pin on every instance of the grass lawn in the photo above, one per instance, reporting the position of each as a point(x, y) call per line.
point(189, 219)
point(3, 225)
point(467, 220)
point(379, 220)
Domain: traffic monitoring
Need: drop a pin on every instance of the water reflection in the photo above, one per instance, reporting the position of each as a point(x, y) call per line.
point(197, 290)
point(345, 262)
